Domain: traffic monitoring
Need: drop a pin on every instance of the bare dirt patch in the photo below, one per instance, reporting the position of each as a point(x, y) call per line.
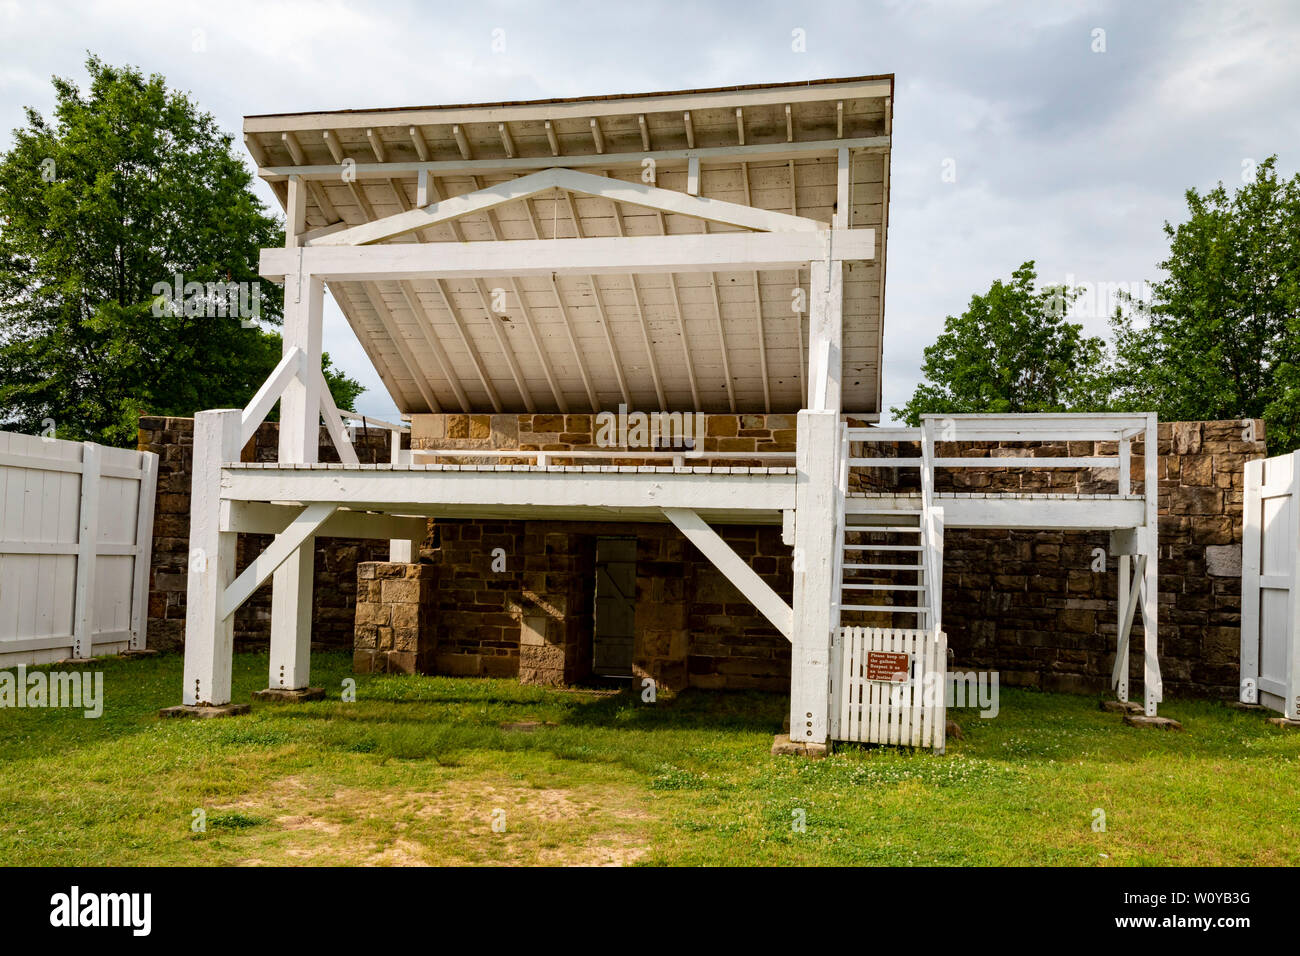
point(461, 821)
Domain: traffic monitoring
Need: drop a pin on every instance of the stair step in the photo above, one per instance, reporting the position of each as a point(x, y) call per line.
point(882, 567)
point(882, 587)
point(882, 528)
point(906, 608)
point(883, 547)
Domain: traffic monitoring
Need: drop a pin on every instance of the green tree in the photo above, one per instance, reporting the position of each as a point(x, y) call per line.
point(1220, 336)
point(1012, 350)
point(128, 186)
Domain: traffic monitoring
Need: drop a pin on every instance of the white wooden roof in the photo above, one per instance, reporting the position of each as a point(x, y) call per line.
point(724, 341)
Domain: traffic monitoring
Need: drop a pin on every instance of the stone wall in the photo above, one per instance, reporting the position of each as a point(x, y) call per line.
point(515, 599)
point(172, 439)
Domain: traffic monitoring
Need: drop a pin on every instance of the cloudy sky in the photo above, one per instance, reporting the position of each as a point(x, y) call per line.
point(1072, 128)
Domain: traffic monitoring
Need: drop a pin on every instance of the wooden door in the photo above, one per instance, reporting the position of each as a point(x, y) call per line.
point(615, 624)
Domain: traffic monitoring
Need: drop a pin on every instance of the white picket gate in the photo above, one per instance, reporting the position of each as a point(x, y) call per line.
point(890, 687)
point(1270, 585)
point(76, 525)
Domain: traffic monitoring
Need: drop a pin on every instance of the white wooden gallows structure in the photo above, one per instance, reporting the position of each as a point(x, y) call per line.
point(714, 250)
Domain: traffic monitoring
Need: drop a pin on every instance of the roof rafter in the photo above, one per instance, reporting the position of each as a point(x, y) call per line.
point(600, 308)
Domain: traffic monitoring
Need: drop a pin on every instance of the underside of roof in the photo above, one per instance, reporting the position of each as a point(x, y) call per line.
point(724, 341)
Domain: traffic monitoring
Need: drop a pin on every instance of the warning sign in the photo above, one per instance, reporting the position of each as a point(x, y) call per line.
point(887, 666)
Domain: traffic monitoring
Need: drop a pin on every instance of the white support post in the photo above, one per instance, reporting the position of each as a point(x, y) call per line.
point(825, 333)
point(1121, 668)
point(209, 638)
point(83, 612)
point(1151, 688)
point(814, 586)
point(401, 551)
point(291, 594)
point(1125, 620)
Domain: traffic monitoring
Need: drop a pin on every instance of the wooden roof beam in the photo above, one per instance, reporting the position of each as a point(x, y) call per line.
point(690, 129)
point(740, 126)
point(462, 142)
point(376, 359)
point(552, 139)
point(425, 324)
point(694, 252)
point(596, 136)
point(727, 155)
point(600, 307)
point(470, 348)
point(291, 144)
point(421, 145)
point(507, 143)
point(640, 314)
point(570, 180)
point(758, 312)
point(412, 368)
point(556, 392)
point(564, 315)
point(645, 131)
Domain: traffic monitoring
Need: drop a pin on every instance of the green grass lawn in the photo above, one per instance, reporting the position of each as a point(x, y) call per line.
point(417, 770)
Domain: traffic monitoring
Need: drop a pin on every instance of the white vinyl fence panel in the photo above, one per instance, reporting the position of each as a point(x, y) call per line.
point(76, 524)
point(1270, 585)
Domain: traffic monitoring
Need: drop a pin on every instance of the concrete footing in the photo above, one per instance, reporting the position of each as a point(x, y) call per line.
point(1159, 723)
point(204, 711)
point(1284, 722)
point(782, 744)
point(286, 695)
point(1239, 705)
point(1121, 707)
point(140, 652)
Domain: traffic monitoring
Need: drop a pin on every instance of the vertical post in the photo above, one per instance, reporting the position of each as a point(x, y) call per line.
point(144, 548)
point(815, 537)
point(83, 637)
point(825, 334)
point(291, 594)
point(1125, 573)
point(399, 551)
point(843, 195)
point(1150, 585)
point(295, 213)
point(1250, 569)
point(209, 638)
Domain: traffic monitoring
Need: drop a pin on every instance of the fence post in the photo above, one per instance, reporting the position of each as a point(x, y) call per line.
point(83, 638)
point(144, 549)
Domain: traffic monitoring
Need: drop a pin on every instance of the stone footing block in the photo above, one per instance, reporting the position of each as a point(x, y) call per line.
point(1284, 722)
point(286, 695)
point(204, 711)
point(1159, 723)
point(782, 744)
point(1121, 707)
point(1239, 705)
